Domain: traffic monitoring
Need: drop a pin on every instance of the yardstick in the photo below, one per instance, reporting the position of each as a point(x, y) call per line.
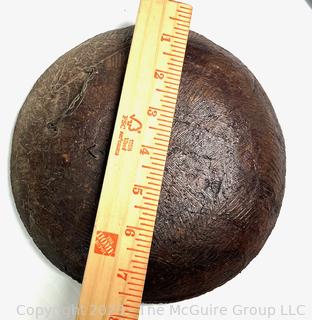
point(115, 272)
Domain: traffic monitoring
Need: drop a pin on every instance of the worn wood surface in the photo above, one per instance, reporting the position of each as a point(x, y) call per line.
point(224, 176)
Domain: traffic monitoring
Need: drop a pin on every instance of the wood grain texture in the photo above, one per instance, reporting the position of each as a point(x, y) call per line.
point(224, 177)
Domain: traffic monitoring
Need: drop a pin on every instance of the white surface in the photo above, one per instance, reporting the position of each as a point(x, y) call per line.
point(274, 39)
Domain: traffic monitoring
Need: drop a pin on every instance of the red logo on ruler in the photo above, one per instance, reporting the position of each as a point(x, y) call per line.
point(105, 243)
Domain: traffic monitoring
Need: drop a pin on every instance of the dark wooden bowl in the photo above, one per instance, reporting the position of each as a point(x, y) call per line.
point(224, 177)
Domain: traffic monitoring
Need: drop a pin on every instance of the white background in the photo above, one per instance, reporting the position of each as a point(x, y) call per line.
point(273, 38)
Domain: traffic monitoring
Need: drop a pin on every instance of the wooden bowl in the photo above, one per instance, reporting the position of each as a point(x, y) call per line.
point(224, 178)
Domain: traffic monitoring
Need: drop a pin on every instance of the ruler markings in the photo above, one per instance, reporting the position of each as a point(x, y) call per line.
point(166, 116)
point(137, 290)
point(171, 88)
point(177, 51)
point(163, 135)
point(165, 125)
point(161, 110)
point(166, 91)
point(136, 313)
point(182, 11)
point(144, 208)
point(172, 83)
point(138, 239)
point(152, 199)
point(154, 148)
point(159, 129)
point(172, 54)
point(182, 34)
point(132, 307)
point(151, 204)
point(176, 37)
point(167, 72)
point(147, 236)
point(137, 228)
point(178, 19)
point(136, 161)
point(166, 101)
point(153, 158)
point(148, 214)
point(183, 16)
point(159, 139)
point(124, 317)
point(183, 25)
point(181, 29)
point(138, 250)
point(174, 64)
point(134, 301)
point(169, 97)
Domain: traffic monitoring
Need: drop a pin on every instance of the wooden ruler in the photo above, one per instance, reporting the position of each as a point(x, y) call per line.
point(114, 277)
